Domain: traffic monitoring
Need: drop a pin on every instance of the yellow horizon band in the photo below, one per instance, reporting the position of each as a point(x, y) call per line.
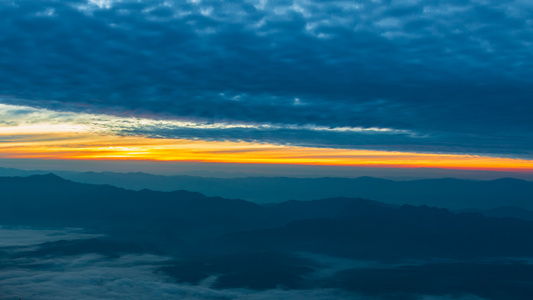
point(91, 146)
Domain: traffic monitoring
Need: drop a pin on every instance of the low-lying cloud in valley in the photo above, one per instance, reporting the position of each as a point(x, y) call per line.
point(92, 276)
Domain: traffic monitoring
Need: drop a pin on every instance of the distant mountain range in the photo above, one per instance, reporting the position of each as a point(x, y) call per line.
point(448, 192)
point(182, 217)
point(241, 244)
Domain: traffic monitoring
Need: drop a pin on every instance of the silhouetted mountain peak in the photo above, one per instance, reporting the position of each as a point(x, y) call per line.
point(50, 177)
point(188, 194)
point(510, 180)
point(372, 179)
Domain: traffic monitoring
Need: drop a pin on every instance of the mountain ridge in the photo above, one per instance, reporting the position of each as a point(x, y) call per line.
point(241, 244)
point(447, 192)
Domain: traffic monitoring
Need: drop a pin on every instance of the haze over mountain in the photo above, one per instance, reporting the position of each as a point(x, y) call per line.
point(446, 192)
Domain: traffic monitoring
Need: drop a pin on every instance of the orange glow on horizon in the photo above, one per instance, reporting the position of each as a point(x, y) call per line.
point(89, 146)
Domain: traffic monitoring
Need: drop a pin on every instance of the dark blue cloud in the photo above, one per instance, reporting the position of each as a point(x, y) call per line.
point(459, 73)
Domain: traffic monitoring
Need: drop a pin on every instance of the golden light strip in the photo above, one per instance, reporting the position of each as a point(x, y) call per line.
point(91, 146)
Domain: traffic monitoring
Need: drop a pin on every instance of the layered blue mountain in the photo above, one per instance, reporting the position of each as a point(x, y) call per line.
point(248, 245)
point(450, 193)
point(338, 226)
point(456, 194)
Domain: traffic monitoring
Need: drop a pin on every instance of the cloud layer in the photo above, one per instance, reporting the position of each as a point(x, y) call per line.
point(133, 276)
point(444, 76)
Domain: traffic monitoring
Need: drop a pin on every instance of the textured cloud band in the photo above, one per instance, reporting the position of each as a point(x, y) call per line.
point(456, 72)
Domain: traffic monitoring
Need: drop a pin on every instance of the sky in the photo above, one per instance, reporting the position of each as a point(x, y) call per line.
point(389, 84)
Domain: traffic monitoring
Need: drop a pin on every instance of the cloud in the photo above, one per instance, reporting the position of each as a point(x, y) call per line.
point(92, 276)
point(17, 237)
point(46, 134)
point(85, 276)
point(458, 72)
